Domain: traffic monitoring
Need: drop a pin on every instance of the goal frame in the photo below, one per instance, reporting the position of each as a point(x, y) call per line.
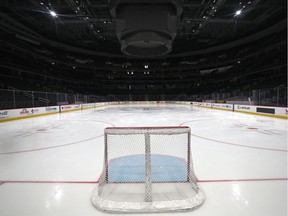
point(148, 205)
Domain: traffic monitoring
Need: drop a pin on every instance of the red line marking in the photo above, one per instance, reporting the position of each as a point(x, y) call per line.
point(96, 182)
point(148, 127)
point(29, 134)
point(186, 122)
point(269, 131)
point(239, 145)
point(43, 129)
point(242, 180)
point(264, 133)
point(90, 120)
point(51, 147)
point(48, 182)
point(233, 144)
point(196, 120)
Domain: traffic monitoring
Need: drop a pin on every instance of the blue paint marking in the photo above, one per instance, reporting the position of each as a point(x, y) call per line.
point(132, 169)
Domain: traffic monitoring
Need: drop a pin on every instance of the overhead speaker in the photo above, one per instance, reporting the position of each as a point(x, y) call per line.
point(146, 28)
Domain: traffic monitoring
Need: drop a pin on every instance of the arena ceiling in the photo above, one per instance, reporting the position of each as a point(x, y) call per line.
point(87, 25)
point(81, 34)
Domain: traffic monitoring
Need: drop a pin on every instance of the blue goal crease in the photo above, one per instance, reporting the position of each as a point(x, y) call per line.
point(131, 169)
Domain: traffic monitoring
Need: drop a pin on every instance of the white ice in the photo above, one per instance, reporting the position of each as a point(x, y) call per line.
point(49, 165)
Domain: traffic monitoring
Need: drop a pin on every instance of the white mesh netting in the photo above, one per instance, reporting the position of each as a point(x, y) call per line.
point(147, 170)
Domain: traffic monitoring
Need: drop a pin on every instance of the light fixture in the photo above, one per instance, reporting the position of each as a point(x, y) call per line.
point(238, 12)
point(41, 3)
point(53, 13)
point(146, 66)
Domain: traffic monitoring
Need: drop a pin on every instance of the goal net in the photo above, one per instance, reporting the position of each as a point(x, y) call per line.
point(147, 169)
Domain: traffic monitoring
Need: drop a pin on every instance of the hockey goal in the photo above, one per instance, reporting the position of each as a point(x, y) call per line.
point(147, 169)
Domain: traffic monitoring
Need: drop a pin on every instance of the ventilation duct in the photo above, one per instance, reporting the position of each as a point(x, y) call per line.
point(146, 28)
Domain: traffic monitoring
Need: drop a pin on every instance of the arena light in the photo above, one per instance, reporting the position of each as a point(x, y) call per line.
point(238, 12)
point(53, 14)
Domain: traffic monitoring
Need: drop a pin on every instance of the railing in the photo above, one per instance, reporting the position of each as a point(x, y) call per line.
point(267, 97)
point(13, 98)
